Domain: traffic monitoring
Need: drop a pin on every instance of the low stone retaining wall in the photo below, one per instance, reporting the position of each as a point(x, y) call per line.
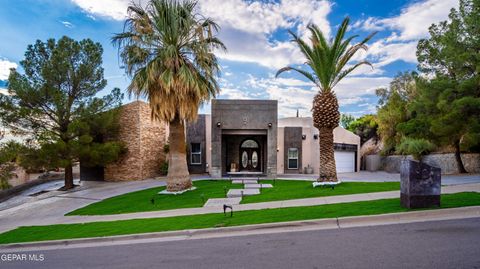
point(446, 162)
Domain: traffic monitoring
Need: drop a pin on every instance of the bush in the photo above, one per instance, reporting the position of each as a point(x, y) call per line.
point(415, 147)
point(6, 173)
point(164, 168)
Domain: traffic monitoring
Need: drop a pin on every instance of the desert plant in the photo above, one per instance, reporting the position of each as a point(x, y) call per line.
point(417, 147)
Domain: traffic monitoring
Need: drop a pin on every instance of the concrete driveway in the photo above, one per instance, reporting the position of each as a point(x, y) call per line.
point(381, 176)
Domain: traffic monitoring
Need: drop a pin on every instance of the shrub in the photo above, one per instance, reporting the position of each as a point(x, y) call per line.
point(6, 173)
point(164, 168)
point(415, 147)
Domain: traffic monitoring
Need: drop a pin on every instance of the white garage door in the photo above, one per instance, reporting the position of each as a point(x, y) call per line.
point(345, 161)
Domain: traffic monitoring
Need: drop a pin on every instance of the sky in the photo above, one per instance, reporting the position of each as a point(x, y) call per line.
point(257, 40)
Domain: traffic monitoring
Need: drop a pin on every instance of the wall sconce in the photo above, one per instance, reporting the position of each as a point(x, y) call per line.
point(270, 125)
point(304, 137)
point(219, 124)
point(315, 136)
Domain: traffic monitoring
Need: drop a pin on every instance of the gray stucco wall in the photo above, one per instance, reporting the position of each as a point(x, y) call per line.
point(292, 139)
point(243, 116)
point(196, 134)
point(446, 162)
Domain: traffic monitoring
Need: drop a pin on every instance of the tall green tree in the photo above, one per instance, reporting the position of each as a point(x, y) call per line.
point(167, 49)
point(346, 120)
point(55, 102)
point(366, 127)
point(330, 62)
point(392, 109)
point(452, 56)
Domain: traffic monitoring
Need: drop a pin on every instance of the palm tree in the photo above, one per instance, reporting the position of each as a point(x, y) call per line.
point(329, 63)
point(167, 49)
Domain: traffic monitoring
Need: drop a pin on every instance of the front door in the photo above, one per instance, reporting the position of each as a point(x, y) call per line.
point(250, 156)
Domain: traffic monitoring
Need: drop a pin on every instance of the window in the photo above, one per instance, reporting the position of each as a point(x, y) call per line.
point(292, 158)
point(195, 153)
point(249, 144)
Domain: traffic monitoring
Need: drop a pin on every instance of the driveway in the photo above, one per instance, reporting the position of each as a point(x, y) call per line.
point(381, 176)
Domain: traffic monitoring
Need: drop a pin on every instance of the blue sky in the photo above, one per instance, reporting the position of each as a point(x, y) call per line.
point(255, 33)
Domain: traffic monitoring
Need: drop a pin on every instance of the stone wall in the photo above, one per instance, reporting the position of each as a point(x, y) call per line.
point(144, 140)
point(446, 162)
point(20, 176)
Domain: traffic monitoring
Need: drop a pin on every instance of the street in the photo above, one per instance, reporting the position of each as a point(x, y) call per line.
point(439, 244)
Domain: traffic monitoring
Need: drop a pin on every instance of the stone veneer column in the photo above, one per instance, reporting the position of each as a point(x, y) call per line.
point(144, 140)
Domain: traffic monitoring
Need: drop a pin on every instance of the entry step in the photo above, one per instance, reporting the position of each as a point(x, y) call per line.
point(257, 186)
point(242, 192)
point(244, 181)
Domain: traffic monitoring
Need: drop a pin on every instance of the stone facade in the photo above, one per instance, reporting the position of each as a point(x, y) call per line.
point(446, 162)
point(144, 140)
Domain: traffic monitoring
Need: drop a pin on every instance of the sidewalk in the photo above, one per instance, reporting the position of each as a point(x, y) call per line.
point(242, 207)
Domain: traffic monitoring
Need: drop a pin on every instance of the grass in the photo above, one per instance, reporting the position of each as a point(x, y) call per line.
point(136, 226)
point(297, 189)
point(140, 201)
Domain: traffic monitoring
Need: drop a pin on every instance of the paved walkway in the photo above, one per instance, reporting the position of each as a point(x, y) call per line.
point(216, 209)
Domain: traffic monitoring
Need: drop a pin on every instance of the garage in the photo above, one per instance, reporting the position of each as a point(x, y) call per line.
point(345, 157)
point(345, 161)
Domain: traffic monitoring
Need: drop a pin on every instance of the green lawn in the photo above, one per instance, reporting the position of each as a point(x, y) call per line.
point(136, 226)
point(140, 201)
point(297, 189)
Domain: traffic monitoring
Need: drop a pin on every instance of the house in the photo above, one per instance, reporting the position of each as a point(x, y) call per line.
point(239, 137)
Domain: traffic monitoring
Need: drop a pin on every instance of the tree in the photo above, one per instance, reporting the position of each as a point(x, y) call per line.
point(392, 110)
point(452, 57)
point(329, 63)
point(346, 120)
point(55, 102)
point(403, 84)
point(167, 49)
point(366, 127)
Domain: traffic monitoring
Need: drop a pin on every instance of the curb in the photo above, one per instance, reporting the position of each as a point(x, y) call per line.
point(305, 225)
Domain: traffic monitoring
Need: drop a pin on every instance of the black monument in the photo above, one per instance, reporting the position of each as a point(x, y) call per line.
point(420, 185)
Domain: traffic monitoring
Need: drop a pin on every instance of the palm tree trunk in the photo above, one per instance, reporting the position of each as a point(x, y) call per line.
point(458, 157)
point(328, 170)
point(178, 178)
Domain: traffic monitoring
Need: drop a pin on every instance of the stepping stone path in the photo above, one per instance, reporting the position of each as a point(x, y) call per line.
point(257, 186)
point(223, 201)
point(242, 192)
point(234, 196)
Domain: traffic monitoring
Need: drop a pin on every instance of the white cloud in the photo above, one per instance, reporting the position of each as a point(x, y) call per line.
point(293, 94)
point(414, 20)
point(5, 66)
point(4, 91)
point(233, 93)
point(246, 25)
point(67, 24)
point(407, 28)
point(113, 9)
